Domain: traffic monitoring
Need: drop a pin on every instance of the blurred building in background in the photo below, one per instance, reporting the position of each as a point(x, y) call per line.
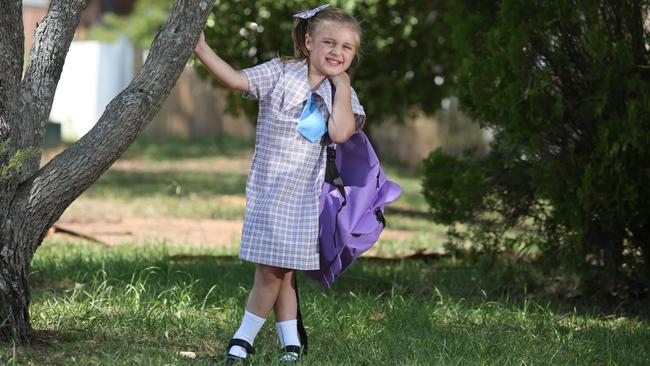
point(95, 72)
point(35, 10)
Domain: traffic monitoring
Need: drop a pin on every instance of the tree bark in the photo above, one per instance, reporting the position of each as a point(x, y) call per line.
point(11, 64)
point(46, 58)
point(36, 198)
point(14, 306)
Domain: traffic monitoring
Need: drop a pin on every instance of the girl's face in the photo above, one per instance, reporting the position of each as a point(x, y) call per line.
point(332, 48)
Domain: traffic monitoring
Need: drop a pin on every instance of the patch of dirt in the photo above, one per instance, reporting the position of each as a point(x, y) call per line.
point(389, 234)
point(112, 222)
point(138, 230)
point(231, 199)
point(230, 165)
point(96, 210)
point(179, 231)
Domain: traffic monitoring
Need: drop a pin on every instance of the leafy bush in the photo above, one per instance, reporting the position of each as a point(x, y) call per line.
point(404, 65)
point(399, 58)
point(565, 87)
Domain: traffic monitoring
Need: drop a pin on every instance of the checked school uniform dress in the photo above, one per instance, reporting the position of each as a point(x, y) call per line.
point(287, 171)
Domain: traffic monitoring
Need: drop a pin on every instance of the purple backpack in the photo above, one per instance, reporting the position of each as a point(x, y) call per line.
point(352, 204)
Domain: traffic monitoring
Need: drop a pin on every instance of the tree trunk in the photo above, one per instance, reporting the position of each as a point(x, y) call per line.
point(14, 307)
point(603, 245)
point(33, 198)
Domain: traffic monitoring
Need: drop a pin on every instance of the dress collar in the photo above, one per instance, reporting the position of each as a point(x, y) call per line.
point(297, 88)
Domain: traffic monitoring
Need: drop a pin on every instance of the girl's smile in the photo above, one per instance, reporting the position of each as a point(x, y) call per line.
point(331, 49)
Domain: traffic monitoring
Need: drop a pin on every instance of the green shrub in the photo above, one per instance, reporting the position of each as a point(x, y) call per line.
point(403, 49)
point(565, 87)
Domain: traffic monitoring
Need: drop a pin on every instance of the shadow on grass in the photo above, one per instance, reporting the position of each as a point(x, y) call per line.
point(421, 278)
point(174, 148)
point(135, 184)
point(124, 304)
point(69, 346)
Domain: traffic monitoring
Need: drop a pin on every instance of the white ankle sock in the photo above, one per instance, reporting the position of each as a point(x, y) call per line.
point(250, 326)
point(288, 333)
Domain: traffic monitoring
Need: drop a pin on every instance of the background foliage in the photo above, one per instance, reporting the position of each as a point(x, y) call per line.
point(404, 65)
point(400, 58)
point(565, 87)
point(141, 26)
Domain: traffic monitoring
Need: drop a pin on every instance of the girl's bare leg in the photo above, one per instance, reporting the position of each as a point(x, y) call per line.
point(286, 306)
point(267, 285)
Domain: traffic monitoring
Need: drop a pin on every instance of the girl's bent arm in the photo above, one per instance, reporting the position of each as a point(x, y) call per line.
point(220, 69)
point(341, 124)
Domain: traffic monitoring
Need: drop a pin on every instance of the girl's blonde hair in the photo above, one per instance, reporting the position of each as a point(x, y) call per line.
point(301, 27)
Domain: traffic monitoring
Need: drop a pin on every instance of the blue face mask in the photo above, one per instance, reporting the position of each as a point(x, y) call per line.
point(311, 125)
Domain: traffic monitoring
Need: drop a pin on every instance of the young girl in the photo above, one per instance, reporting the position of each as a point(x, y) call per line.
point(305, 103)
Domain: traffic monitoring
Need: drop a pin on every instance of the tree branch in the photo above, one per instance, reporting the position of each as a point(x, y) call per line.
point(46, 58)
point(41, 200)
point(11, 65)
point(11, 61)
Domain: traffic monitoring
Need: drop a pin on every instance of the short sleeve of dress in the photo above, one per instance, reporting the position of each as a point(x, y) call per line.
point(262, 79)
point(357, 109)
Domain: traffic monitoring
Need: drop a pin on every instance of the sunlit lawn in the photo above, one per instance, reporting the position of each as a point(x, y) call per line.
point(126, 305)
point(207, 179)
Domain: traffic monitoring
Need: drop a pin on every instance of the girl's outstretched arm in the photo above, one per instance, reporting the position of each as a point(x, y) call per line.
point(218, 68)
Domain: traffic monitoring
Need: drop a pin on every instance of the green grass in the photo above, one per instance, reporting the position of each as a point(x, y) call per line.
point(410, 182)
point(142, 305)
point(166, 185)
point(156, 149)
point(126, 305)
point(173, 194)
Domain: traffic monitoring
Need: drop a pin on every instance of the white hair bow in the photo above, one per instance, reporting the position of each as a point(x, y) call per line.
point(310, 13)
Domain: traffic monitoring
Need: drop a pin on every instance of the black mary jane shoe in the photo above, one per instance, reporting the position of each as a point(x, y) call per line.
point(291, 354)
point(236, 360)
